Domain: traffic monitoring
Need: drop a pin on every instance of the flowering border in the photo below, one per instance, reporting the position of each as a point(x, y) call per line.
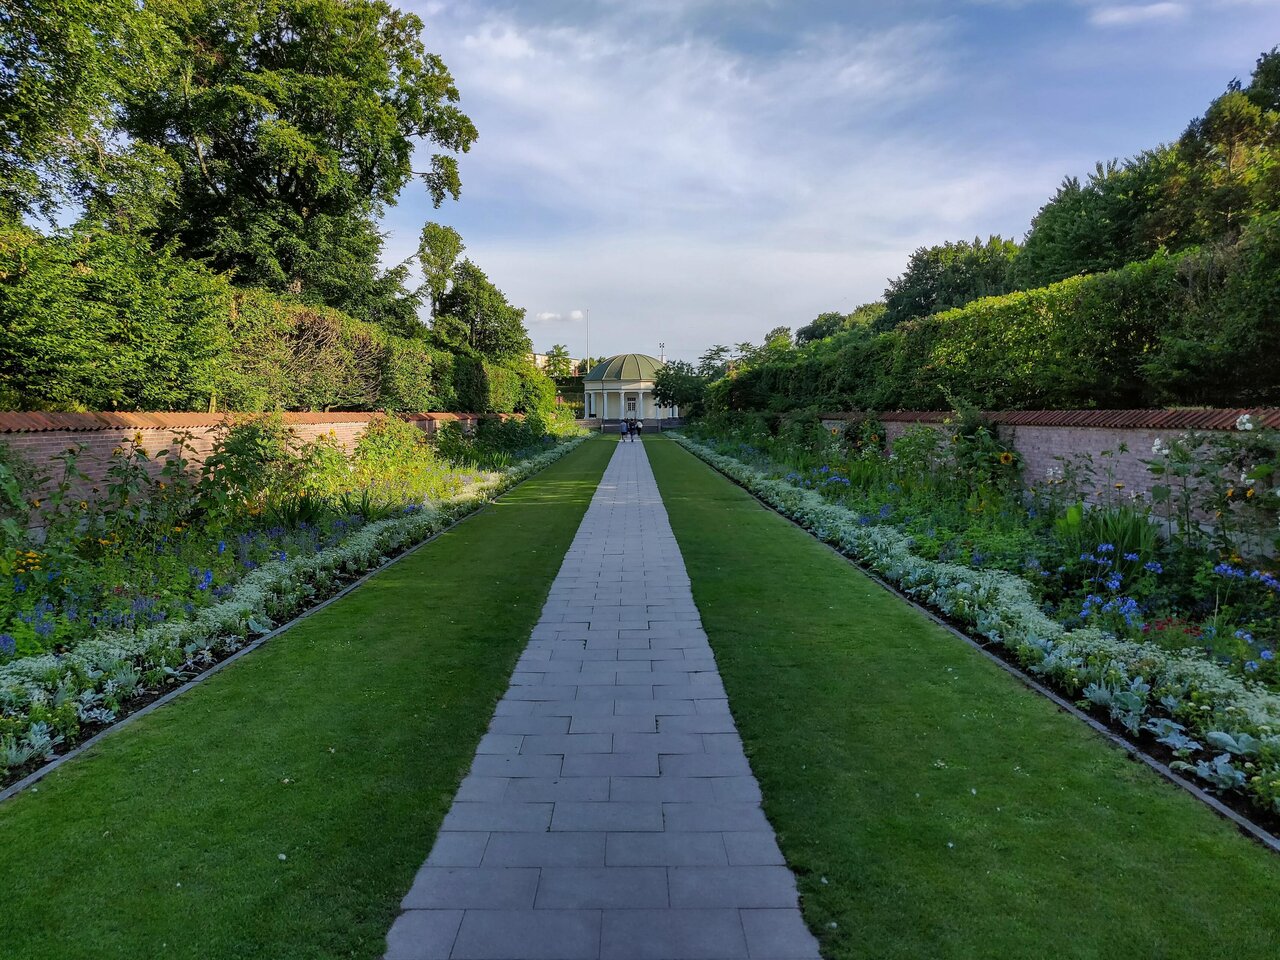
point(1175, 693)
point(109, 667)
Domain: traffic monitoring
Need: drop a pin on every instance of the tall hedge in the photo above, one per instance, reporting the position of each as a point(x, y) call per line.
point(1201, 328)
point(104, 322)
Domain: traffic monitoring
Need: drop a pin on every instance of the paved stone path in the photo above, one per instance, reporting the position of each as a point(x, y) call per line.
point(610, 811)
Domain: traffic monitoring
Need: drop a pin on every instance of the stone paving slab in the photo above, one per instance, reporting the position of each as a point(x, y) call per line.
point(610, 811)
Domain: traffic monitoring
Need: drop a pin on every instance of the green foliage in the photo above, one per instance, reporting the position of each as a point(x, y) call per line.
point(475, 314)
point(1222, 172)
point(950, 275)
point(293, 124)
point(558, 362)
point(67, 63)
point(438, 252)
point(105, 321)
point(678, 384)
point(829, 324)
point(1194, 328)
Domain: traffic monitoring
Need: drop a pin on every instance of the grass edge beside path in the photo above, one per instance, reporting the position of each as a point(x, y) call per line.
point(930, 804)
point(339, 745)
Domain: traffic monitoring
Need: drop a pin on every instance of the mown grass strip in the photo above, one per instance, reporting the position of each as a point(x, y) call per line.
point(339, 745)
point(931, 805)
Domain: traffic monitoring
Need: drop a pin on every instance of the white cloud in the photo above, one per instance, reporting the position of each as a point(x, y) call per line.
point(692, 188)
point(1131, 14)
point(573, 316)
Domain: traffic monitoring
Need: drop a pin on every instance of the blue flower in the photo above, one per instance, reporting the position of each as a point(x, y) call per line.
point(1266, 579)
point(1267, 655)
point(1153, 566)
point(205, 581)
point(1228, 571)
point(7, 644)
point(1113, 581)
point(885, 511)
point(222, 546)
point(1251, 666)
point(1244, 635)
point(1131, 557)
point(1106, 548)
point(281, 556)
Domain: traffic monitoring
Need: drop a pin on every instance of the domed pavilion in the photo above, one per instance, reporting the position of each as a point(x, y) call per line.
point(621, 388)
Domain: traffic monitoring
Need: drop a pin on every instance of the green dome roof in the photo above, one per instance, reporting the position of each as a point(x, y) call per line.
point(626, 366)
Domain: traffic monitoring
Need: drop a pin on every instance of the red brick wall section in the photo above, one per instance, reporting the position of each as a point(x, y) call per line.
point(1041, 437)
point(41, 438)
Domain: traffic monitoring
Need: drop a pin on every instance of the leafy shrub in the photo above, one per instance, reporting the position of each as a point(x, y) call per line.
point(104, 322)
point(1195, 328)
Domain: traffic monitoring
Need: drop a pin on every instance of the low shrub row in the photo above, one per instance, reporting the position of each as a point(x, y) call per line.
point(124, 598)
point(1220, 726)
point(104, 322)
point(1197, 328)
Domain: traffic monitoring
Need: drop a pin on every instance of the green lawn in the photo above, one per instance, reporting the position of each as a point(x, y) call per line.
point(931, 805)
point(338, 744)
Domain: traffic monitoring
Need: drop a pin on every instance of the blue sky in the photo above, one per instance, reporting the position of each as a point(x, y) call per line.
point(700, 171)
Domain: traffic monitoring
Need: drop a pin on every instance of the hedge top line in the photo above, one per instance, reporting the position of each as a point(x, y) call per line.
point(1188, 419)
point(42, 421)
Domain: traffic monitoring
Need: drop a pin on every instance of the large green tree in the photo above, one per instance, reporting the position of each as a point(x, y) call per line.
point(438, 250)
point(292, 124)
point(678, 384)
point(559, 363)
point(949, 275)
point(65, 67)
point(475, 314)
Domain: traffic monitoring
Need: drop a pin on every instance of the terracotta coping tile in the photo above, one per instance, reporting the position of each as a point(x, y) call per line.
point(1185, 419)
point(40, 421)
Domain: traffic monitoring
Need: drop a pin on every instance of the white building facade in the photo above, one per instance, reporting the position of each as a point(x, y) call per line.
point(621, 388)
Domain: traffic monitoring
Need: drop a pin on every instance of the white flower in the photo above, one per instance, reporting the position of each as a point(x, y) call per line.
point(1158, 448)
point(1245, 422)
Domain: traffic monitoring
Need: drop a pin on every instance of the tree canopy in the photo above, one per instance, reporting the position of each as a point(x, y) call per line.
point(475, 313)
point(949, 275)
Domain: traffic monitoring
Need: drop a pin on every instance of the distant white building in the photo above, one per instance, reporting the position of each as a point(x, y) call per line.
point(540, 361)
point(621, 388)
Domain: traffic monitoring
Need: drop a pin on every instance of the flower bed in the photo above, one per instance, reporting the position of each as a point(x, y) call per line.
point(1225, 729)
point(48, 699)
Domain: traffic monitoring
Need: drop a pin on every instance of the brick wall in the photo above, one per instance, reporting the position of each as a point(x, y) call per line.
point(1042, 436)
point(41, 438)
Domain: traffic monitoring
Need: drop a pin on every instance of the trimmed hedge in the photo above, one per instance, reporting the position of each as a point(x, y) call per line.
point(105, 322)
point(1198, 328)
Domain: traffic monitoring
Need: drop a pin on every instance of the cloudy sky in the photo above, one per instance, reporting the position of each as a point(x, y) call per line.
point(700, 171)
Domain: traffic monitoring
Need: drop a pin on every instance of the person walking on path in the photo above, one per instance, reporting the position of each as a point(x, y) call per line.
point(622, 428)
